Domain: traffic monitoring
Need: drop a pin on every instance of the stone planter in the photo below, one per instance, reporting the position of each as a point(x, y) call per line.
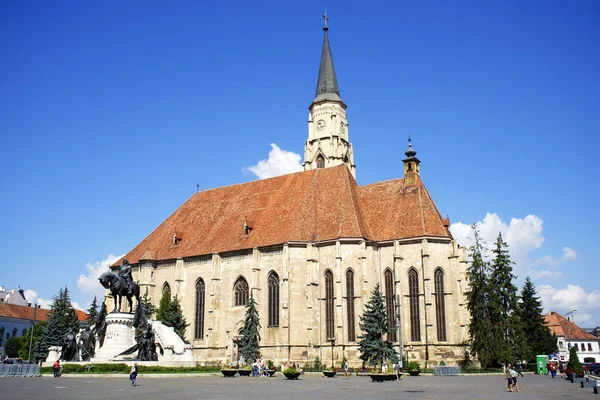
point(414, 373)
point(329, 374)
point(229, 373)
point(244, 372)
point(291, 375)
point(383, 377)
point(271, 372)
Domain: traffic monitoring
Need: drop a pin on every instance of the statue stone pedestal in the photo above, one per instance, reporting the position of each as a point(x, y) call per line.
point(120, 335)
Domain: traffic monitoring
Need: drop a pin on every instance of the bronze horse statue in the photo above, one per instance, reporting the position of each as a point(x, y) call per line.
point(118, 288)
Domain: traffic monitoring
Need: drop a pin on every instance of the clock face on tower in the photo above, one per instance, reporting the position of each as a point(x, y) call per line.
point(343, 127)
point(320, 124)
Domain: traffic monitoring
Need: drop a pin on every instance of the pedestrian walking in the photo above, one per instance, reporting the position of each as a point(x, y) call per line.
point(519, 373)
point(346, 374)
point(133, 373)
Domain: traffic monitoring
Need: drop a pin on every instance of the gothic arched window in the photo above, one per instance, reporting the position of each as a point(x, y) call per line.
point(329, 305)
point(200, 293)
point(166, 288)
point(440, 307)
point(389, 303)
point(273, 283)
point(350, 305)
point(320, 161)
point(413, 292)
point(241, 292)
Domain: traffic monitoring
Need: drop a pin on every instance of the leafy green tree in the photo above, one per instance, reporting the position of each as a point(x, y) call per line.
point(536, 336)
point(480, 326)
point(373, 347)
point(92, 312)
point(38, 330)
point(163, 305)
point(12, 346)
point(574, 364)
point(502, 303)
point(174, 317)
point(250, 332)
point(147, 305)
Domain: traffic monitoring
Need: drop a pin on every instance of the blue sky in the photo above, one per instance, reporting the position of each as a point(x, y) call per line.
point(111, 113)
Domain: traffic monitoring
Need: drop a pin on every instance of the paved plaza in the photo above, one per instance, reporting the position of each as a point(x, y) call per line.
point(309, 386)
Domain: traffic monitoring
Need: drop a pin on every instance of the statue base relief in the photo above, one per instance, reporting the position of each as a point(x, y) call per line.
point(119, 336)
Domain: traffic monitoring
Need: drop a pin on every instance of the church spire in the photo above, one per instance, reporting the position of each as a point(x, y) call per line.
point(327, 86)
point(411, 165)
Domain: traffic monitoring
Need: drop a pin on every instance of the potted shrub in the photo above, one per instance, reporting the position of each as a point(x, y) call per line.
point(413, 368)
point(271, 368)
point(228, 372)
point(246, 370)
point(291, 373)
point(329, 372)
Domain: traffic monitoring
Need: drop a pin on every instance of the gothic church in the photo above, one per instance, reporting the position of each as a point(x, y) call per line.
point(310, 247)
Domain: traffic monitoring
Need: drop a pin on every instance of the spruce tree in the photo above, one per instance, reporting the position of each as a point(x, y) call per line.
point(480, 326)
point(250, 332)
point(147, 305)
point(536, 335)
point(502, 303)
point(62, 318)
point(92, 312)
point(574, 364)
point(163, 305)
point(174, 317)
point(374, 323)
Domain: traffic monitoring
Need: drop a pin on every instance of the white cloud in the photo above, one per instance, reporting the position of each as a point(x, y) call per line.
point(569, 254)
point(32, 297)
point(89, 283)
point(280, 162)
point(545, 274)
point(523, 235)
point(572, 297)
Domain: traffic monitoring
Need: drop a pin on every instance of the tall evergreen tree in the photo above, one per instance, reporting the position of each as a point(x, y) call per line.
point(92, 312)
point(574, 364)
point(250, 332)
point(480, 326)
point(502, 303)
point(374, 349)
point(537, 337)
point(163, 305)
point(147, 305)
point(173, 316)
point(62, 318)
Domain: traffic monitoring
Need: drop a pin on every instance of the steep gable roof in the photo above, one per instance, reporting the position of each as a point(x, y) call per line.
point(310, 206)
point(561, 326)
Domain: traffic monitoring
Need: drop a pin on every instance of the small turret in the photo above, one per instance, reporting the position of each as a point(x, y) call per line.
point(411, 165)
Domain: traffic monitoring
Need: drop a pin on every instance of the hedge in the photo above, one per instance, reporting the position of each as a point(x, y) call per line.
point(121, 368)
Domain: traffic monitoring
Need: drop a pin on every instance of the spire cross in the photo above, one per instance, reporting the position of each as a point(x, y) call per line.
point(325, 19)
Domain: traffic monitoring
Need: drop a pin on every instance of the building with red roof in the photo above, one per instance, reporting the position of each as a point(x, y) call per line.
point(570, 335)
point(310, 247)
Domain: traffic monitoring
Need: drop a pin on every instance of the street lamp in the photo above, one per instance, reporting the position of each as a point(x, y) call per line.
point(35, 307)
point(572, 312)
point(332, 340)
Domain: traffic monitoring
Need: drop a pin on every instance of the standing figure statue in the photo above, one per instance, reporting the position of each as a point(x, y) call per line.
point(85, 344)
point(69, 346)
point(147, 348)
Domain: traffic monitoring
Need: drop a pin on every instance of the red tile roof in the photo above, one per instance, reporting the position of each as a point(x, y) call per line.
point(310, 206)
point(24, 312)
point(561, 326)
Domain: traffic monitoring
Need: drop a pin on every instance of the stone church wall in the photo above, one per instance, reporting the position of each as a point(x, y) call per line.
point(301, 334)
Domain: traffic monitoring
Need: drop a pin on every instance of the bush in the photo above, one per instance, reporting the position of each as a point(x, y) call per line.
point(413, 366)
point(121, 368)
point(290, 371)
point(12, 346)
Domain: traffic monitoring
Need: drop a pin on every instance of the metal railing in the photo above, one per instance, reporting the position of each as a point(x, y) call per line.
point(19, 370)
point(446, 370)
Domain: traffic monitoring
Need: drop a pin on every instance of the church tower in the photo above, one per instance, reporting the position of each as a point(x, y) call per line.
point(411, 166)
point(327, 144)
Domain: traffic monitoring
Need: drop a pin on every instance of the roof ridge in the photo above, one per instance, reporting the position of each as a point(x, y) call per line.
point(380, 183)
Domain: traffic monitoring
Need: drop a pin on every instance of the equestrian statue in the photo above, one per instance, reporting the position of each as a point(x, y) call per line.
point(121, 285)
